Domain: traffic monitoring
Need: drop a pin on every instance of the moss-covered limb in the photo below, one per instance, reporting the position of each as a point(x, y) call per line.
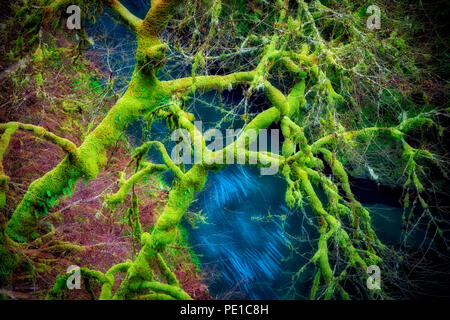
point(296, 98)
point(276, 97)
point(267, 61)
point(397, 133)
point(179, 200)
point(338, 172)
point(327, 225)
point(158, 16)
point(184, 120)
point(165, 231)
point(257, 78)
point(220, 83)
point(333, 97)
point(288, 105)
point(241, 144)
point(342, 291)
point(107, 286)
point(302, 58)
point(205, 83)
point(60, 286)
point(138, 272)
point(8, 258)
point(4, 179)
point(421, 121)
point(263, 159)
point(166, 158)
point(133, 221)
point(155, 296)
point(147, 169)
point(359, 214)
point(143, 96)
point(62, 246)
point(40, 196)
point(291, 66)
point(173, 291)
point(133, 212)
point(180, 197)
point(321, 255)
point(337, 205)
point(293, 195)
point(166, 272)
point(294, 136)
point(336, 286)
point(363, 135)
point(65, 144)
point(315, 286)
point(140, 152)
point(150, 51)
point(413, 171)
point(122, 12)
point(330, 227)
point(261, 121)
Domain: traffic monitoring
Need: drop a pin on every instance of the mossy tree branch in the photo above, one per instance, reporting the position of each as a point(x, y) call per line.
point(299, 160)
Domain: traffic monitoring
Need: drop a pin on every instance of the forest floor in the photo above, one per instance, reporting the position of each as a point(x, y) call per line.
point(70, 101)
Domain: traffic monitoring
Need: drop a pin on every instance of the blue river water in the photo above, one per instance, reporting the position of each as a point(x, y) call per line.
point(251, 242)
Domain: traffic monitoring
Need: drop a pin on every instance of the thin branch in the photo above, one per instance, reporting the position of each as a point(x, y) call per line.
point(122, 12)
point(65, 144)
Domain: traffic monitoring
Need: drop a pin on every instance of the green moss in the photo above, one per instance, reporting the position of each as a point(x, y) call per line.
point(173, 291)
point(320, 70)
point(8, 262)
point(183, 241)
point(60, 286)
